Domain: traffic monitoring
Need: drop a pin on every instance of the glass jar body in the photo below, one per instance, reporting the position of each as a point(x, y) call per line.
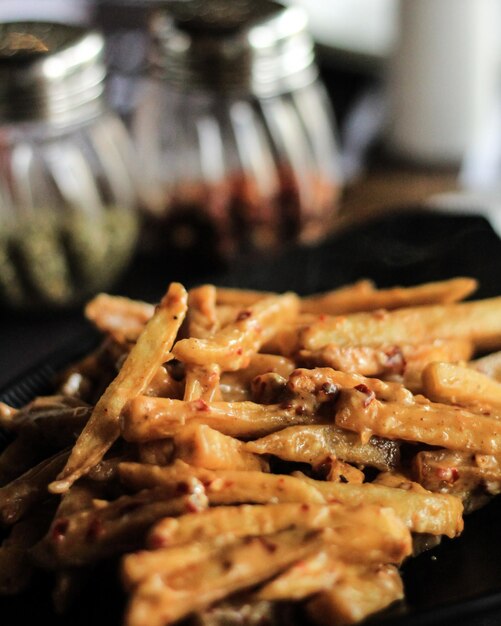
point(68, 223)
point(228, 173)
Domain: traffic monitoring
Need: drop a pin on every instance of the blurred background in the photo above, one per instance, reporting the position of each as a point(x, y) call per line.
point(142, 140)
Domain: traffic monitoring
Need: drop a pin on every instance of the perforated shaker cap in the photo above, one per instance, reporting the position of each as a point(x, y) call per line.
point(49, 71)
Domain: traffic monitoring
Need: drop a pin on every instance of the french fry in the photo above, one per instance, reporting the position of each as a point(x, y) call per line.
point(164, 385)
point(468, 476)
point(7, 415)
point(16, 567)
point(490, 365)
point(18, 497)
point(237, 385)
point(139, 566)
point(477, 321)
point(232, 347)
point(223, 486)
point(305, 578)
point(407, 359)
point(240, 297)
point(362, 296)
point(312, 444)
point(454, 384)
point(156, 452)
point(150, 351)
point(87, 536)
point(148, 418)
point(419, 420)
point(158, 602)
point(366, 360)
point(202, 383)
point(122, 318)
point(202, 318)
point(384, 536)
point(421, 511)
point(202, 446)
point(361, 591)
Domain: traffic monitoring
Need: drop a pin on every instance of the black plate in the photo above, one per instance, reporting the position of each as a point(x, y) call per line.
point(460, 581)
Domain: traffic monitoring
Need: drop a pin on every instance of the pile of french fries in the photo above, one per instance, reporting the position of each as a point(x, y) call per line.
point(239, 450)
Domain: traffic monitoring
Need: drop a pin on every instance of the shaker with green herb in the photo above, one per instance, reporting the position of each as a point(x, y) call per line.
point(67, 196)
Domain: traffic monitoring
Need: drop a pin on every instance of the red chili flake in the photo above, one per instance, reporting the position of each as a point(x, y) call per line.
point(156, 542)
point(305, 507)
point(228, 484)
point(269, 545)
point(448, 474)
point(333, 501)
point(243, 315)
point(370, 395)
point(396, 361)
point(239, 351)
point(200, 405)
point(59, 529)
point(94, 530)
point(322, 318)
point(300, 410)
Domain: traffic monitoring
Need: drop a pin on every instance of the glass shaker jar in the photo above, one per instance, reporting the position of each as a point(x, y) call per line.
point(67, 201)
point(234, 132)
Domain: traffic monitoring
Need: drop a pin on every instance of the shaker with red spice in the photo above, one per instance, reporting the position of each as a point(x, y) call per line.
point(235, 136)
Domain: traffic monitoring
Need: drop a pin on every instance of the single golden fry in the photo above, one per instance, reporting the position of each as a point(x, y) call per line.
point(222, 486)
point(202, 446)
point(148, 418)
point(362, 296)
point(455, 384)
point(232, 347)
point(202, 320)
point(477, 321)
point(122, 318)
point(471, 477)
point(365, 532)
point(202, 383)
point(18, 497)
point(305, 578)
point(314, 443)
point(421, 511)
point(150, 351)
point(361, 591)
point(419, 419)
point(237, 385)
point(490, 365)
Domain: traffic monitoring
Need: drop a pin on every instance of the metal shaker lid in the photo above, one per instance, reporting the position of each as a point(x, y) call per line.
point(49, 71)
point(261, 47)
